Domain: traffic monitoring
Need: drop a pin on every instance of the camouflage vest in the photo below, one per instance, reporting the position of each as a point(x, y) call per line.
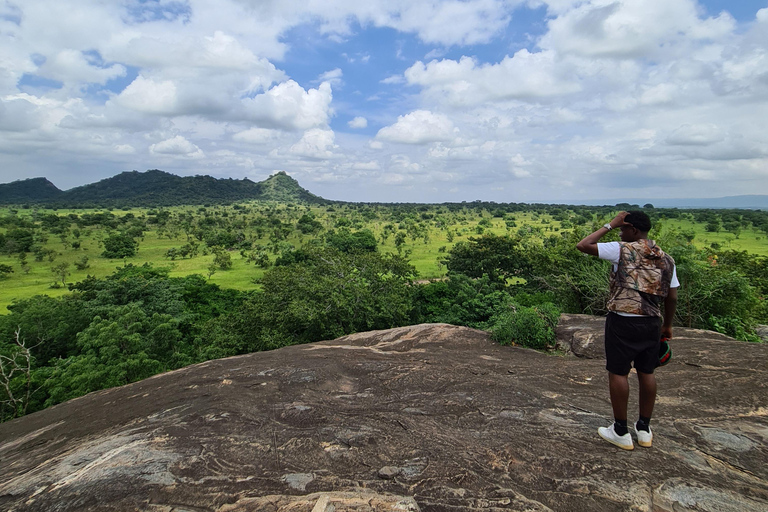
point(641, 281)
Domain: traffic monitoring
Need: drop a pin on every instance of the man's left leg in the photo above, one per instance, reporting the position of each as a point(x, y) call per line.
point(647, 383)
point(647, 393)
point(617, 434)
point(618, 386)
point(618, 362)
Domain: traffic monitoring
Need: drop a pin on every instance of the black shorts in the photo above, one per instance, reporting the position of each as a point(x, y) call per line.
point(631, 339)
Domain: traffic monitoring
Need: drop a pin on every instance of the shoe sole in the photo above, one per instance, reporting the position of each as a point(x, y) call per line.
point(614, 443)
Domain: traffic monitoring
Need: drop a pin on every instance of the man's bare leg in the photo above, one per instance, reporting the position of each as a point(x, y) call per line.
point(619, 388)
point(647, 393)
point(617, 433)
point(647, 400)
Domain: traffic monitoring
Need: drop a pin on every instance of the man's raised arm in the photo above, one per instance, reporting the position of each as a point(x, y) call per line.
point(588, 244)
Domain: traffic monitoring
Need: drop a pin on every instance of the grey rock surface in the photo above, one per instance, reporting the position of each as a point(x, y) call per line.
point(429, 417)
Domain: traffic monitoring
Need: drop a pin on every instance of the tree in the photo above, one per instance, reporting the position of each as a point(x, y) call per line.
point(459, 300)
point(61, 271)
point(5, 270)
point(53, 322)
point(82, 263)
point(713, 226)
point(330, 294)
point(307, 224)
point(120, 245)
point(352, 242)
point(15, 379)
point(222, 260)
point(124, 347)
point(498, 257)
point(18, 240)
point(399, 241)
point(127, 326)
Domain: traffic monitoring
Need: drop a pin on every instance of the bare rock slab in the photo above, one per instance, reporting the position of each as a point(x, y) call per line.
point(429, 417)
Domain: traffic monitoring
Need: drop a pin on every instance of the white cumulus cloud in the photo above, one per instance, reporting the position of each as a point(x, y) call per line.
point(419, 127)
point(315, 143)
point(177, 146)
point(334, 77)
point(629, 29)
point(289, 106)
point(72, 67)
point(525, 75)
point(149, 96)
point(358, 122)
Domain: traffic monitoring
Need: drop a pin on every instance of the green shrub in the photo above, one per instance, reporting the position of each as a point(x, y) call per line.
point(718, 299)
point(732, 326)
point(459, 300)
point(532, 327)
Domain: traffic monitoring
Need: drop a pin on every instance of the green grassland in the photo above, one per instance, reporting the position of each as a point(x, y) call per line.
point(751, 240)
point(430, 232)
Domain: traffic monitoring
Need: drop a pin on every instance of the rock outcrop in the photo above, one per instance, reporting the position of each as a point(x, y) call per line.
point(428, 417)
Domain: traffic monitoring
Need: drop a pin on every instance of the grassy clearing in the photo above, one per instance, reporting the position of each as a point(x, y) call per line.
point(751, 240)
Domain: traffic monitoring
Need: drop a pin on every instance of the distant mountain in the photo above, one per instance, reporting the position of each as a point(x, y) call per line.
point(159, 188)
point(156, 188)
point(22, 190)
point(752, 202)
point(748, 202)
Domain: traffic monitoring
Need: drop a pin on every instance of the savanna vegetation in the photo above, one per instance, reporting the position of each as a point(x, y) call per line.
point(101, 298)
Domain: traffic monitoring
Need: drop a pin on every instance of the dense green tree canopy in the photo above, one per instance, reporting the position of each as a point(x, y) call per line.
point(328, 294)
point(498, 257)
point(120, 245)
point(107, 332)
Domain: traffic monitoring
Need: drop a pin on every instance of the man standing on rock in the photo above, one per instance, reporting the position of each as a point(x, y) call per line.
point(642, 280)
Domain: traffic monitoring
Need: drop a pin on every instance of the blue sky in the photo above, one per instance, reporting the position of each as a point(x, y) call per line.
point(501, 100)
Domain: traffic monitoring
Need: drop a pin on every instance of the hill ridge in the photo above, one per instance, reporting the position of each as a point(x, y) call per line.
point(21, 190)
point(156, 188)
point(160, 188)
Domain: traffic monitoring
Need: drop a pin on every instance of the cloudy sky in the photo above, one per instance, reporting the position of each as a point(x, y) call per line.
point(393, 100)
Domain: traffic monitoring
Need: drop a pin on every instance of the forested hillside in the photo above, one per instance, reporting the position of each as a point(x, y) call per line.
point(101, 298)
point(155, 188)
point(31, 190)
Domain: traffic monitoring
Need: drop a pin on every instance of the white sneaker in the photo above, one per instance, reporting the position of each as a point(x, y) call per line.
point(644, 438)
point(610, 435)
